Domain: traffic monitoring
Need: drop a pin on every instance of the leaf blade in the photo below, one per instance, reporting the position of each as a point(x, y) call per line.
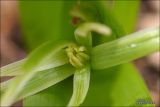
point(12, 69)
point(125, 49)
point(81, 86)
point(120, 8)
point(42, 80)
point(31, 66)
point(114, 85)
point(54, 17)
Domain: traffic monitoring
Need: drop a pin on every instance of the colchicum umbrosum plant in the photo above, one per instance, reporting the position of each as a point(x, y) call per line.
point(92, 49)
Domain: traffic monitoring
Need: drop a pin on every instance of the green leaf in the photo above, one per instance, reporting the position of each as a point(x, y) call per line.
point(12, 69)
point(31, 67)
point(47, 78)
point(106, 16)
point(42, 56)
point(42, 80)
point(46, 59)
point(48, 55)
point(109, 87)
point(125, 49)
point(103, 86)
point(97, 11)
point(45, 20)
point(57, 95)
point(81, 86)
point(15, 68)
point(126, 12)
point(51, 22)
point(117, 86)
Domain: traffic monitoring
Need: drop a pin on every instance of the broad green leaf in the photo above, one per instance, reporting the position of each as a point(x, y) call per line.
point(51, 22)
point(126, 12)
point(107, 17)
point(81, 86)
point(103, 98)
point(106, 98)
point(116, 86)
point(45, 20)
point(54, 17)
point(125, 49)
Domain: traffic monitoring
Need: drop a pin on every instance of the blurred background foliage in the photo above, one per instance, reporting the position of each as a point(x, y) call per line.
point(31, 23)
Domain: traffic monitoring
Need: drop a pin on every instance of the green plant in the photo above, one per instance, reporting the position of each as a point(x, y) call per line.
point(88, 55)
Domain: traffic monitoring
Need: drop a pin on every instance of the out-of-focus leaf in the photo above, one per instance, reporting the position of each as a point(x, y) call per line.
point(124, 74)
point(97, 11)
point(117, 86)
point(104, 90)
point(126, 12)
point(45, 20)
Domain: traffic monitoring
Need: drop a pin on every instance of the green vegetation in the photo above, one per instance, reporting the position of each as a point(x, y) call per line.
point(92, 49)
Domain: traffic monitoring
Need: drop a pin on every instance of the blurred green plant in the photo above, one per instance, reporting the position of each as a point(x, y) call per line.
point(99, 79)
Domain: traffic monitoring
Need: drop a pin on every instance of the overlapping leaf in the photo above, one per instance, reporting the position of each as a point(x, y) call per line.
point(33, 65)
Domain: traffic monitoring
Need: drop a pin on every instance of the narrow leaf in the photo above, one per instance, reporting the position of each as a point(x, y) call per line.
point(56, 95)
point(81, 86)
point(12, 69)
point(42, 80)
point(47, 53)
point(31, 68)
point(45, 79)
point(15, 68)
point(125, 49)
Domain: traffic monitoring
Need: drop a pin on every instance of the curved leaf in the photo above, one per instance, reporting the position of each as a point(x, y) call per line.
point(81, 86)
point(83, 32)
point(31, 67)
